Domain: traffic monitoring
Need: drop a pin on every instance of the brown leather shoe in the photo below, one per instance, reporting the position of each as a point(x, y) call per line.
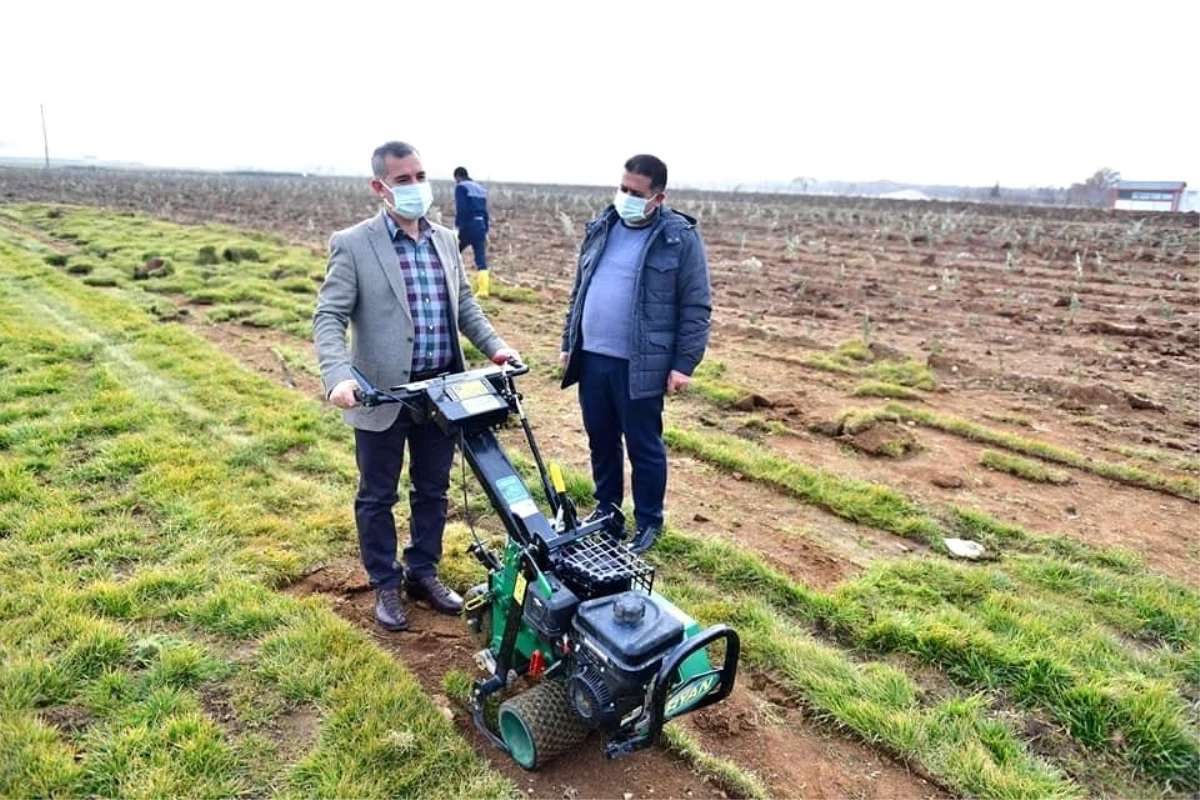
point(434, 593)
point(389, 610)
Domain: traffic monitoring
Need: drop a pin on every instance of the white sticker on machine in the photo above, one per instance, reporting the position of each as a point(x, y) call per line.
point(524, 508)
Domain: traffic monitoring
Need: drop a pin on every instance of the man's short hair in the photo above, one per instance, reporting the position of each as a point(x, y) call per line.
point(461, 172)
point(393, 149)
point(651, 167)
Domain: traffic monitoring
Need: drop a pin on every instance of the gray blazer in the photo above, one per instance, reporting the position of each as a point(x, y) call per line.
point(364, 291)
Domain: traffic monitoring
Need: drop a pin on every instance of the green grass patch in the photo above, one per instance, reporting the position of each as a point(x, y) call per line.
point(867, 503)
point(708, 382)
point(854, 350)
point(149, 510)
point(1188, 488)
point(1025, 468)
point(883, 389)
point(1171, 460)
point(251, 278)
point(1010, 418)
point(1111, 657)
point(828, 364)
point(512, 294)
point(905, 373)
point(856, 358)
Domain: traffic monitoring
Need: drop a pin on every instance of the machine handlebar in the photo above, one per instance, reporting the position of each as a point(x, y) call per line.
point(368, 395)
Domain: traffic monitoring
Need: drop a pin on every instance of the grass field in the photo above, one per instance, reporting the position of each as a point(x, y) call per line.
point(154, 496)
point(158, 497)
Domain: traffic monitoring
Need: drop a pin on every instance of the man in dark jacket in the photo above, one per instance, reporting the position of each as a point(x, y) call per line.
point(636, 328)
point(472, 223)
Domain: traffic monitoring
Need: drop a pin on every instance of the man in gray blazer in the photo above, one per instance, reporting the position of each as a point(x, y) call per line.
point(397, 282)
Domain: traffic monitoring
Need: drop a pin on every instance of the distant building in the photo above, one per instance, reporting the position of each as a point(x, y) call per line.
point(1147, 195)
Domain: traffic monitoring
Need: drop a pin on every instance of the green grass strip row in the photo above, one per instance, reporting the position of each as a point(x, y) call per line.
point(151, 494)
point(956, 739)
point(867, 503)
point(1009, 629)
point(855, 358)
point(880, 506)
point(884, 389)
point(1025, 468)
point(1172, 460)
point(1064, 626)
point(1188, 488)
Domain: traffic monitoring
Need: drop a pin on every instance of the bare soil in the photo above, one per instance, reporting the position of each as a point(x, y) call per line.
point(1084, 324)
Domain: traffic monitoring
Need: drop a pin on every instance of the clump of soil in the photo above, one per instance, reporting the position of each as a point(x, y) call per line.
point(885, 439)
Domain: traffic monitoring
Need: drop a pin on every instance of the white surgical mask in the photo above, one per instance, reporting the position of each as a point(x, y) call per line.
point(630, 208)
point(411, 200)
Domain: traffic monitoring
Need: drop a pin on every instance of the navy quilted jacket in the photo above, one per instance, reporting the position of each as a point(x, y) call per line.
point(672, 301)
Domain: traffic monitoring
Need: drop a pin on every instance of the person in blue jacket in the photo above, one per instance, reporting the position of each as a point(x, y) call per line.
point(636, 328)
point(472, 222)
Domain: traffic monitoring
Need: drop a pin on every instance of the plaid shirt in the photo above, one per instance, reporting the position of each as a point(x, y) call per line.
point(428, 297)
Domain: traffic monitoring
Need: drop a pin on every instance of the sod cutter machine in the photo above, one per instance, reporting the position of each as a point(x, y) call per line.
point(571, 627)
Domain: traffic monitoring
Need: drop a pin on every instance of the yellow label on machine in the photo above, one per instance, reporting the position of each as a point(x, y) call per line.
point(469, 389)
point(519, 588)
point(556, 478)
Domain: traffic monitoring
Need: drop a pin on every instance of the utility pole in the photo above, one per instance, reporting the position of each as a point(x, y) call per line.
point(45, 140)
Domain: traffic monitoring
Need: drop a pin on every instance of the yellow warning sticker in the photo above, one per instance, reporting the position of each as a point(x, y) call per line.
point(519, 589)
point(470, 389)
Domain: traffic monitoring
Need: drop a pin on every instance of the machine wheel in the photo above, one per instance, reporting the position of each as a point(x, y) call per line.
point(540, 724)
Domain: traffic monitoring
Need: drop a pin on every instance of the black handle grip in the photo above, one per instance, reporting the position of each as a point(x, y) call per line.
point(623, 745)
point(680, 654)
point(365, 394)
point(514, 367)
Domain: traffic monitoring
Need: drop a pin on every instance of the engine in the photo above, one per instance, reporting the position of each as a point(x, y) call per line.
point(618, 643)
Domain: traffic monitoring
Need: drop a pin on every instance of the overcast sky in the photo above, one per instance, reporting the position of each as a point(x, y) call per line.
point(1025, 93)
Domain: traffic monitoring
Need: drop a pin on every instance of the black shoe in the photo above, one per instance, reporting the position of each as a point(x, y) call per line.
point(431, 590)
point(645, 538)
point(389, 611)
point(616, 520)
point(598, 513)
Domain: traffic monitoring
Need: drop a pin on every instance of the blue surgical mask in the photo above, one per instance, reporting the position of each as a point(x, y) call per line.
point(630, 208)
point(412, 200)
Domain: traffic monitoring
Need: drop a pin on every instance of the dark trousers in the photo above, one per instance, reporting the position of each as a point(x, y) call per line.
point(380, 458)
point(478, 245)
point(610, 416)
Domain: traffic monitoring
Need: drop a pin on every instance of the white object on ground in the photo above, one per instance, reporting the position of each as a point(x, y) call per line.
point(965, 548)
